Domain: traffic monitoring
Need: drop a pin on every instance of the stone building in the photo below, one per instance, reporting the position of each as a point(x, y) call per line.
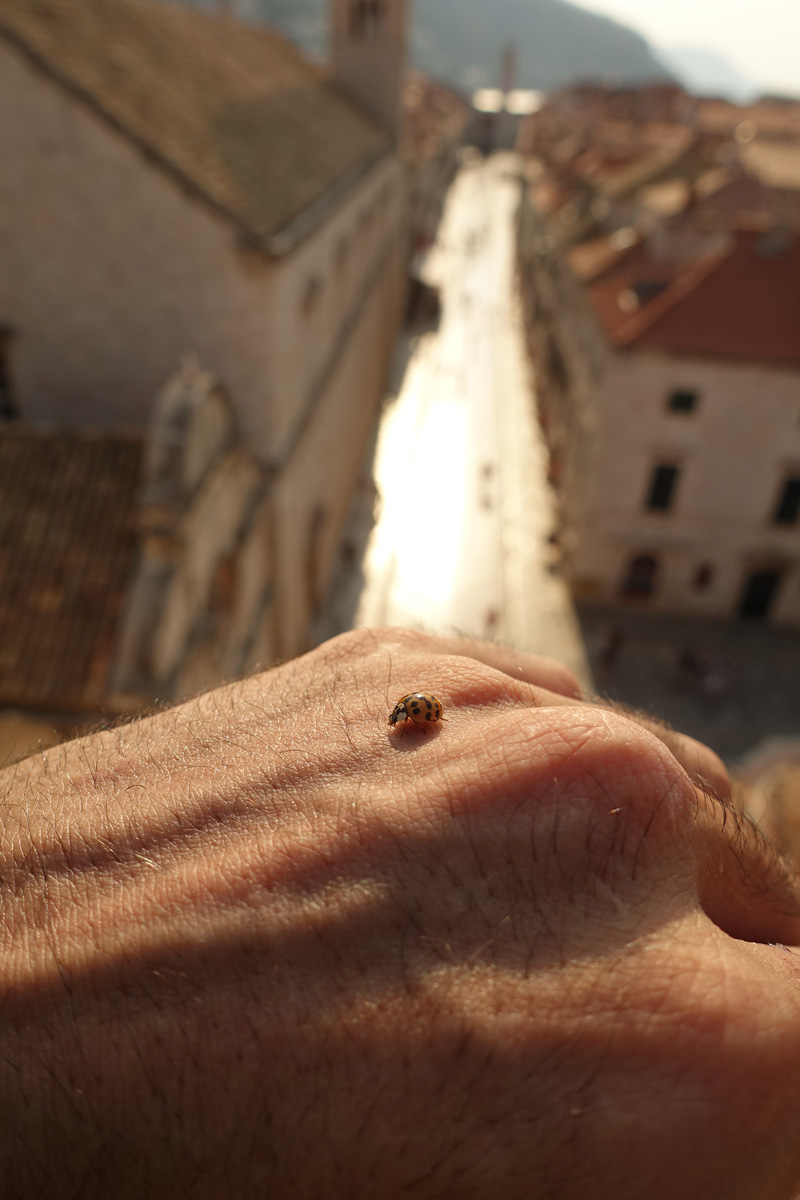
point(670, 385)
point(368, 46)
point(660, 262)
point(133, 567)
point(175, 183)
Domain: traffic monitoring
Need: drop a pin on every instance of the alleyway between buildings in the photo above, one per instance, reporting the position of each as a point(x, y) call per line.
point(465, 511)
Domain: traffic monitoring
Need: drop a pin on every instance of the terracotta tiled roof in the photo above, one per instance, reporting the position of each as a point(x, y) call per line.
point(774, 162)
point(67, 541)
point(434, 115)
point(747, 204)
point(232, 109)
point(739, 302)
point(767, 116)
point(596, 256)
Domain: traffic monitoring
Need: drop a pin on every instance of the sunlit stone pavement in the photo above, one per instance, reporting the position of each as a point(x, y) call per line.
point(465, 512)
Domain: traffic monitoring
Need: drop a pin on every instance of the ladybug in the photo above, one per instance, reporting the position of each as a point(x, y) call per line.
point(418, 707)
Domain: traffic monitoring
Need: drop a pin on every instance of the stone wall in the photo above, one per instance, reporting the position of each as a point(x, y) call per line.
point(113, 273)
point(733, 453)
point(198, 607)
point(311, 504)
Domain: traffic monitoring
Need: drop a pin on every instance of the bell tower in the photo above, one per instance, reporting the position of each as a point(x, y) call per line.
point(369, 46)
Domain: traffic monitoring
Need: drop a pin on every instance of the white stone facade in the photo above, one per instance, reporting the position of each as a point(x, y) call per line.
point(113, 273)
point(720, 547)
point(734, 453)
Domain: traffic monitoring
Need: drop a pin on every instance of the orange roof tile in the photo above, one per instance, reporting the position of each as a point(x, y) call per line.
point(231, 109)
point(594, 257)
point(67, 543)
point(747, 204)
point(433, 114)
point(739, 302)
point(774, 162)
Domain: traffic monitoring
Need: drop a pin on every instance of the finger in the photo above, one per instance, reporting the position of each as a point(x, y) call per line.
point(699, 762)
point(520, 678)
point(745, 885)
point(544, 673)
point(555, 684)
point(546, 683)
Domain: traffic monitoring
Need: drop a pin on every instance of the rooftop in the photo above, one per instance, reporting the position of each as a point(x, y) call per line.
point(738, 299)
point(746, 203)
point(67, 545)
point(433, 115)
point(775, 162)
point(231, 109)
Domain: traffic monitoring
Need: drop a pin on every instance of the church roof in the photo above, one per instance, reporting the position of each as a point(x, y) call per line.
point(739, 301)
point(232, 110)
point(68, 525)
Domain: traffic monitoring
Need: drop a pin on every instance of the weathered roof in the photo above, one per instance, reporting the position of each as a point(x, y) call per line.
point(739, 302)
point(596, 256)
point(67, 542)
point(232, 109)
point(434, 115)
point(774, 162)
point(746, 203)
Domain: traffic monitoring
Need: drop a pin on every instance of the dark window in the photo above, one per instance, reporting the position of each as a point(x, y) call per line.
point(366, 18)
point(775, 243)
point(8, 409)
point(703, 577)
point(662, 488)
point(758, 594)
point(682, 402)
point(556, 366)
point(639, 582)
point(646, 290)
point(787, 509)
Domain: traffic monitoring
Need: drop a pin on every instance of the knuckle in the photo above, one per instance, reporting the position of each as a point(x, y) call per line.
point(363, 642)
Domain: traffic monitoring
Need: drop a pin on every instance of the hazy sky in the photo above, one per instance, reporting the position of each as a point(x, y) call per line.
point(760, 37)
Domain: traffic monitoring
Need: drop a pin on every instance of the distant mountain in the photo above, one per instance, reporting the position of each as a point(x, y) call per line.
point(461, 41)
point(707, 73)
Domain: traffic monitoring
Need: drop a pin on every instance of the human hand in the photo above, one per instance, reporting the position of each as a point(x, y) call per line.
point(262, 944)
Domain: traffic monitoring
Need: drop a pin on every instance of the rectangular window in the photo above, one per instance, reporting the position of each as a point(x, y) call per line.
point(788, 507)
point(661, 494)
point(759, 593)
point(8, 409)
point(640, 577)
point(682, 401)
point(366, 18)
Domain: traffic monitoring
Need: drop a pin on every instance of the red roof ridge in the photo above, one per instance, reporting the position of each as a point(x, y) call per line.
point(695, 274)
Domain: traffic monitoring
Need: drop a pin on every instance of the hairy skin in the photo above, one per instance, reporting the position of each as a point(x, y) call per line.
point(261, 946)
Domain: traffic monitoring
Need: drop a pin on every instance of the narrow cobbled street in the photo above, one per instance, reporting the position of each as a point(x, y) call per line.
point(465, 512)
